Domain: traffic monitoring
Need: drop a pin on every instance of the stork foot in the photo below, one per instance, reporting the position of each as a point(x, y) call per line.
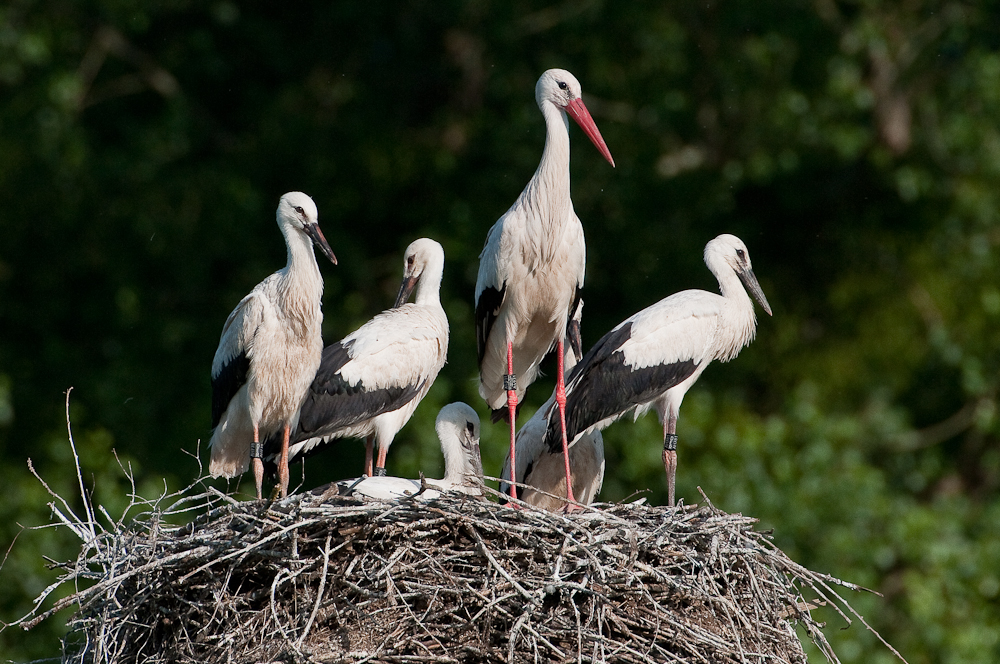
point(569, 508)
point(379, 472)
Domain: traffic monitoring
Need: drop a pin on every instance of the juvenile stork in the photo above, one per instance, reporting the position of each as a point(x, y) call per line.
point(457, 428)
point(269, 351)
point(370, 382)
point(541, 468)
point(532, 267)
point(651, 359)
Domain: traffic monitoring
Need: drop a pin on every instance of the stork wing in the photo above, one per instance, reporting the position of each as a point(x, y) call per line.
point(636, 362)
point(383, 488)
point(378, 369)
point(491, 288)
point(232, 358)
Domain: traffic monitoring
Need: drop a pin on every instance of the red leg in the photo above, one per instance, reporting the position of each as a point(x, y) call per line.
point(283, 462)
point(561, 400)
point(369, 454)
point(380, 466)
point(511, 386)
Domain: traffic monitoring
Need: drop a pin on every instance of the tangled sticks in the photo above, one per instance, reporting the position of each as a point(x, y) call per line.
point(323, 578)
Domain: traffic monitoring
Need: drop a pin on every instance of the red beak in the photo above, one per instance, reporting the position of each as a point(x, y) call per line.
point(578, 111)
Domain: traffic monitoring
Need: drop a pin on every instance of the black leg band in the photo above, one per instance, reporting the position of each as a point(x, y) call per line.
point(509, 382)
point(256, 450)
point(379, 472)
point(670, 442)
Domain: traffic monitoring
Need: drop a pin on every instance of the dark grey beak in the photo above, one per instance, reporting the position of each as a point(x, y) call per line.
point(475, 458)
point(405, 289)
point(750, 281)
point(477, 464)
point(575, 338)
point(313, 231)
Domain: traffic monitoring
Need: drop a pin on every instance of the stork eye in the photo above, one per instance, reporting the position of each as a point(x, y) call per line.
point(563, 86)
point(741, 254)
point(471, 427)
point(409, 260)
point(298, 208)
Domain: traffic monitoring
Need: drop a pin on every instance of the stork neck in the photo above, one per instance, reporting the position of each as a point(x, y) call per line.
point(454, 466)
point(451, 448)
point(555, 156)
point(549, 186)
point(741, 319)
point(732, 288)
point(300, 249)
point(429, 287)
point(301, 268)
point(457, 466)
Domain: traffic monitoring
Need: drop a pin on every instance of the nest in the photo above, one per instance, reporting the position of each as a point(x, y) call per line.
point(324, 578)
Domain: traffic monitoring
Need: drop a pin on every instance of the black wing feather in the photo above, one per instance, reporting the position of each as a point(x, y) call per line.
point(227, 383)
point(332, 403)
point(603, 386)
point(487, 309)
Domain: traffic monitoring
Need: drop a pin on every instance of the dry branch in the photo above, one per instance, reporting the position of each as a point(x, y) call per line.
point(323, 578)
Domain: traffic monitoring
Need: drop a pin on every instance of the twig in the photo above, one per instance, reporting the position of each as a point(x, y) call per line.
point(446, 580)
point(319, 592)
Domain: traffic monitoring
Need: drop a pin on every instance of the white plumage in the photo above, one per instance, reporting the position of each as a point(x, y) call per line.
point(542, 469)
point(532, 266)
point(270, 348)
point(651, 359)
point(369, 383)
point(458, 430)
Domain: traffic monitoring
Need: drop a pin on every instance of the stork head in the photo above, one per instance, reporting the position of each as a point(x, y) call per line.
point(560, 88)
point(298, 211)
point(457, 428)
point(422, 262)
point(729, 250)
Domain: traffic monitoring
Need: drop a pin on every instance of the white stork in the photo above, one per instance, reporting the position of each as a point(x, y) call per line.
point(458, 430)
point(532, 267)
point(269, 351)
point(542, 469)
point(370, 382)
point(651, 359)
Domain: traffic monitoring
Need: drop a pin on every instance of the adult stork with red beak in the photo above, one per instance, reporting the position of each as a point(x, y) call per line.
point(532, 267)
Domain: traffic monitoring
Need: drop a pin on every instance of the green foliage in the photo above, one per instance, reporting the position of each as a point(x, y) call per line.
point(854, 146)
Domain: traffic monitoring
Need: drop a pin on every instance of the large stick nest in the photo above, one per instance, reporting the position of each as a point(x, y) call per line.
point(324, 578)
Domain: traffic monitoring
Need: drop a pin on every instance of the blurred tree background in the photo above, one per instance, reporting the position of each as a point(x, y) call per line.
point(852, 144)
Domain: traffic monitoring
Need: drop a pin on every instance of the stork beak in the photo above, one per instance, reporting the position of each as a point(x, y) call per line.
point(474, 459)
point(405, 289)
point(575, 338)
point(578, 111)
point(318, 238)
point(750, 281)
